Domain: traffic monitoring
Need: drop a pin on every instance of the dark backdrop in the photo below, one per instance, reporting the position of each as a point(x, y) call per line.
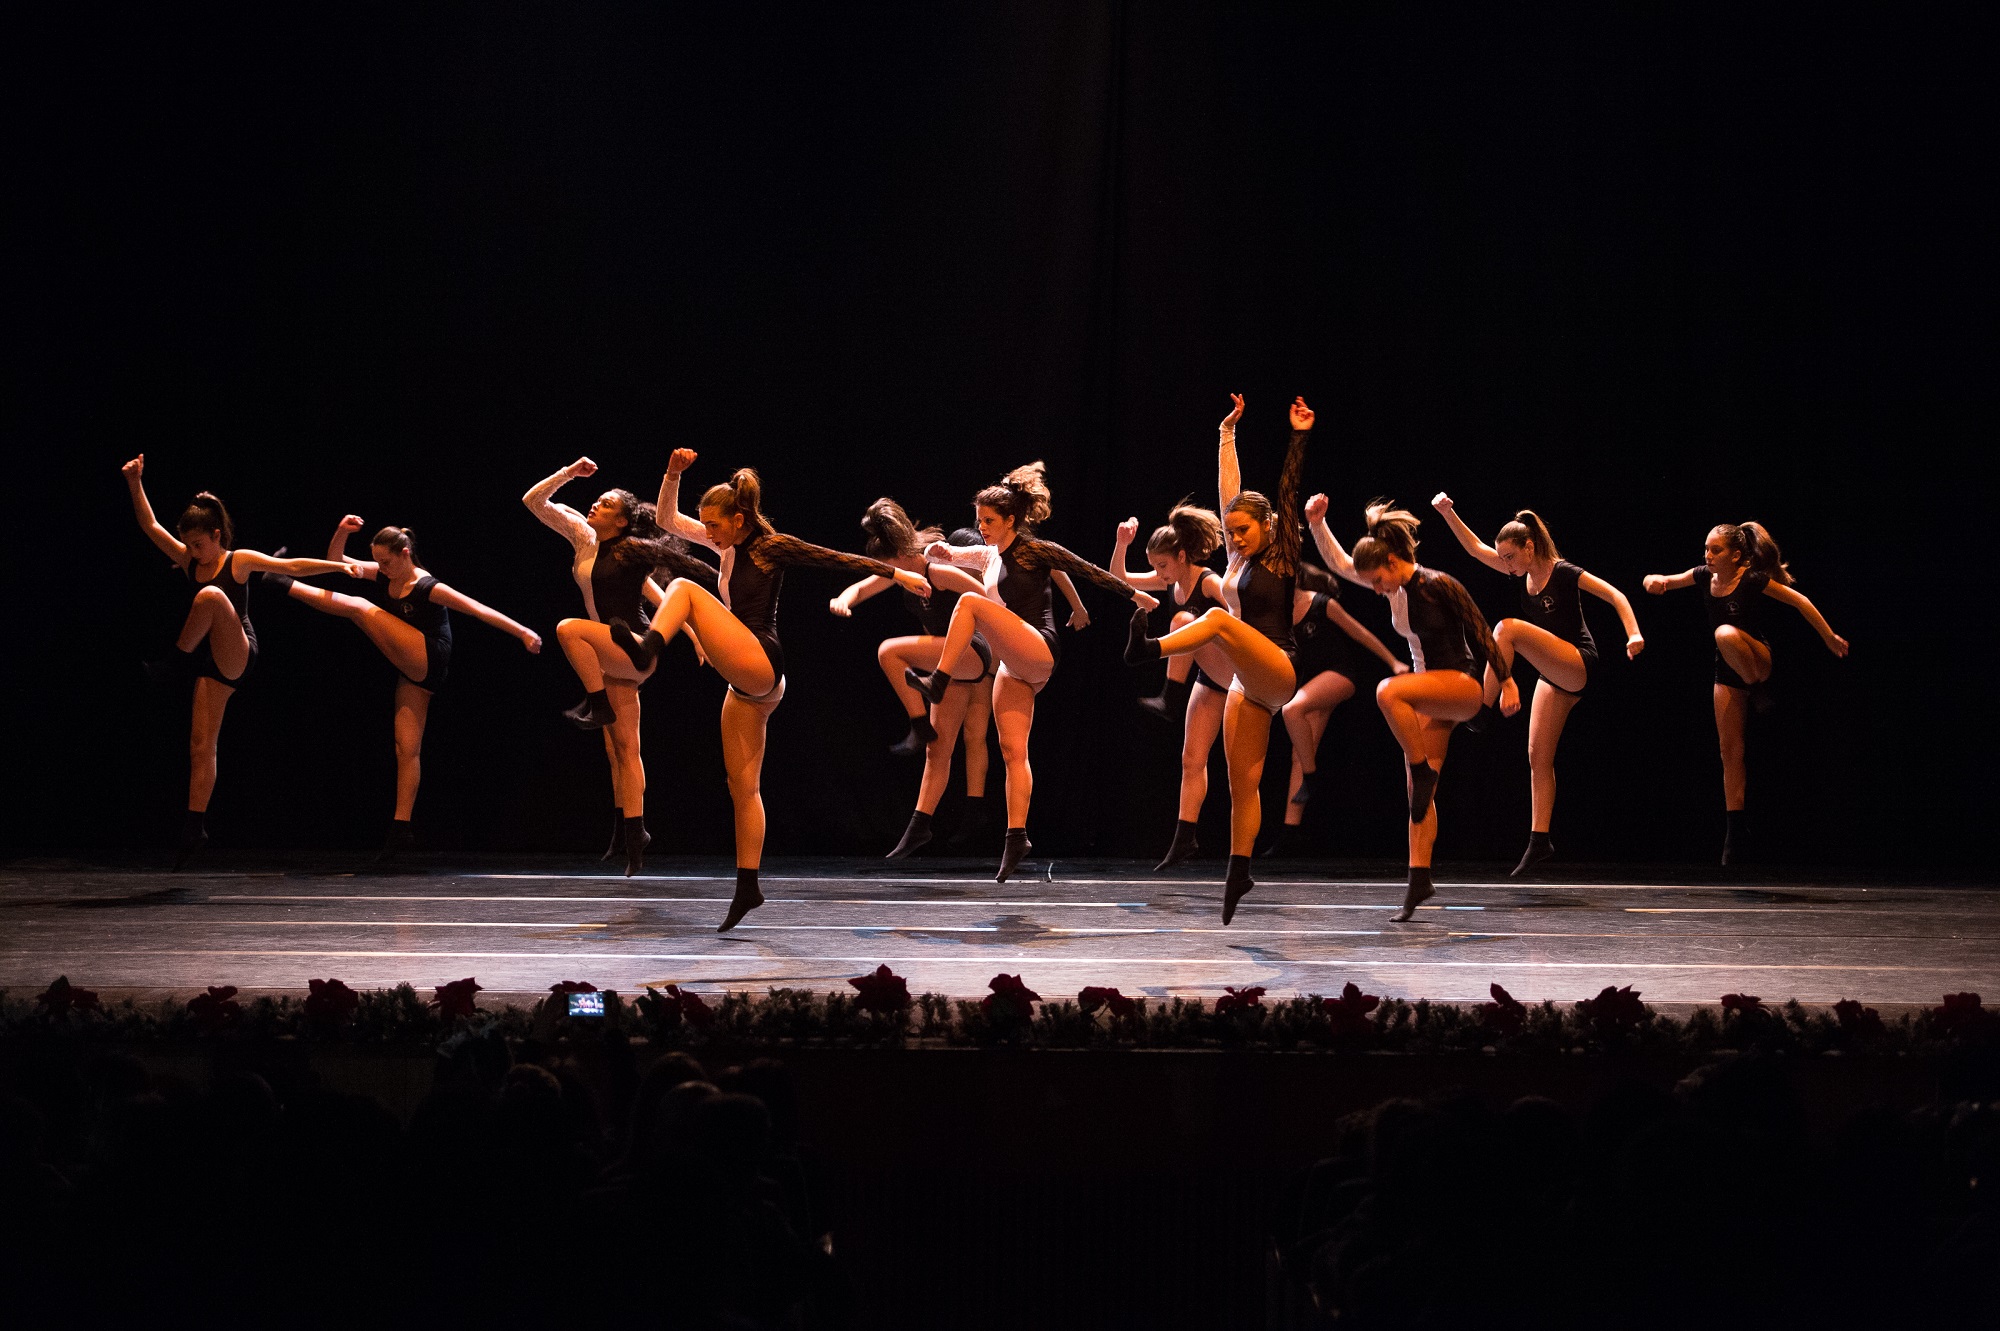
point(1644, 269)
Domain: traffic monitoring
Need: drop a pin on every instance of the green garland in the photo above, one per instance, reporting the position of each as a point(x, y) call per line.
point(882, 1013)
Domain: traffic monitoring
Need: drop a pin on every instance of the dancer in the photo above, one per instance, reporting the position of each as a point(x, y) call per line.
point(1450, 648)
point(967, 705)
point(1333, 651)
point(618, 546)
point(1255, 632)
point(1553, 635)
point(1741, 566)
point(1015, 616)
point(1178, 552)
point(217, 644)
point(738, 634)
point(412, 627)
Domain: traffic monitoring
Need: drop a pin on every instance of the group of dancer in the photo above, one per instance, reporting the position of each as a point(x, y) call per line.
point(1263, 638)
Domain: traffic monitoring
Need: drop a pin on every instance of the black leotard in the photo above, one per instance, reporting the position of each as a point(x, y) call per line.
point(1324, 646)
point(618, 577)
point(1742, 608)
point(934, 617)
point(1443, 626)
point(1558, 608)
point(427, 617)
point(239, 596)
point(754, 575)
point(1026, 566)
point(1264, 602)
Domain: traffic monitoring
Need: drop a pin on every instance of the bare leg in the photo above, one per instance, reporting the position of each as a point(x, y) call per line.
point(978, 719)
point(1246, 740)
point(947, 718)
point(210, 698)
point(743, 729)
point(1015, 645)
point(1204, 723)
point(1748, 657)
point(413, 707)
point(723, 638)
point(1546, 719)
point(1306, 716)
point(1423, 835)
point(895, 655)
point(1014, 715)
point(214, 618)
point(402, 643)
point(1266, 672)
point(1732, 709)
point(628, 776)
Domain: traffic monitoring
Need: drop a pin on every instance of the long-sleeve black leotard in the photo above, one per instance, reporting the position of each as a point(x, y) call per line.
point(1442, 624)
point(1021, 574)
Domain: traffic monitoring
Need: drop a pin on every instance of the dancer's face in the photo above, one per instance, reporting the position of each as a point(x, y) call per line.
point(995, 527)
point(723, 529)
point(202, 546)
point(607, 516)
point(1386, 577)
point(1170, 567)
point(1515, 557)
point(1715, 553)
point(395, 563)
point(1247, 536)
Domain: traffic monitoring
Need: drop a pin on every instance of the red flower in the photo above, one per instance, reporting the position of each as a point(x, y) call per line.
point(216, 1008)
point(1233, 1001)
point(1856, 1019)
point(572, 987)
point(1504, 1015)
point(1348, 1014)
point(884, 992)
point(63, 997)
point(330, 1001)
point(455, 999)
point(692, 1008)
point(1617, 1009)
point(1742, 1003)
point(1010, 999)
point(1092, 998)
point(1959, 1012)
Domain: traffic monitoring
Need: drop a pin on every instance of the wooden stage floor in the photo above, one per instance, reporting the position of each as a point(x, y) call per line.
point(520, 924)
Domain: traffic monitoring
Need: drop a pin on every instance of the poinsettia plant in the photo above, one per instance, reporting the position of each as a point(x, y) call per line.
point(330, 1002)
point(883, 992)
point(215, 1009)
point(454, 1000)
point(62, 998)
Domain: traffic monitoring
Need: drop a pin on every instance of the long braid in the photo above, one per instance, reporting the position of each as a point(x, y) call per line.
point(1285, 540)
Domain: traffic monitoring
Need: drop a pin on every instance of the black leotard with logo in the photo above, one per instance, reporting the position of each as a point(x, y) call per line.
point(239, 597)
point(430, 619)
point(1743, 608)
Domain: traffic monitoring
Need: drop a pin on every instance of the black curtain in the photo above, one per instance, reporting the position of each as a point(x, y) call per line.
point(1641, 270)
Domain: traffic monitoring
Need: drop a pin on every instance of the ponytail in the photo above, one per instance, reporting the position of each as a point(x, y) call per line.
point(741, 493)
point(1760, 552)
point(1190, 532)
point(401, 540)
point(1391, 531)
point(207, 512)
point(1527, 528)
point(1022, 494)
point(891, 533)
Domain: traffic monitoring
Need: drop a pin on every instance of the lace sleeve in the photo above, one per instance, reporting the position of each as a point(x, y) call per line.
point(778, 551)
point(680, 564)
point(1048, 557)
point(1451, 593)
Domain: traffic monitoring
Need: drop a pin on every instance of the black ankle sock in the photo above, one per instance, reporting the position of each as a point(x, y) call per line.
point(194, 835)
point(641, 650)
point(636, 841)
point(748, 897)
point(1419, 891)
point(1735, 837)
point(1283, 842)
point(1139, 648)
point(1012, 851)
point(912, 745)
point(399, 839)
point(1235, 886)
point(917, 834)
point(1170, 704)
point(1539, 849)
point(931, 684)
point(1308, 787)
point(1423, 788)
point(1183, 848)
point(617, 834)
point(593, 713)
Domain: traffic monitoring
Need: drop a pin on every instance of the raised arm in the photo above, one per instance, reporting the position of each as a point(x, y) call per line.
point(1053, 559)
point(485, 614)
point(1668, 582)
point(1358, 631)
point(1330, 549)
point(1079, 618)
point(1127, 531)
point(872, 585)
point(1798, 601)
point(1228, 472)
point(560, 518)
point(1635, 641)
point(336, 548)
point(142, 509)
point(1475, 547)
point(669, 513)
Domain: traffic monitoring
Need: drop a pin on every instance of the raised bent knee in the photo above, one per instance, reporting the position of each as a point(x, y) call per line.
point(1385, 692)
point(1181, 619)
point(1505, 630)
point(1728, 635)
point(568, 629)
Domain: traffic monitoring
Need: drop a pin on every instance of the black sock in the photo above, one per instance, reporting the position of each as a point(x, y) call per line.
point(1012, 851)
point(636, 841)
point(617, 833)
point(1170, 704)
point(593, 713)
point(932, 684)
point(1423, 787)
point(922, 732)
point(399, 839)
point(1308, 787)
point(1539, 849)
point(640, 650)
point(1735, 839)
point(194, 835)
point(1281, 842)
point(1419, 890)
point(918, 833)
point(748, 897)
point(1183, 848)
point(1139, 648)
point(1235, 886)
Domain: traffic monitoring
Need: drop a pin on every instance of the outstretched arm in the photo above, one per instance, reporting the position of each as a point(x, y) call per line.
point(1797, 599)
point(485, 614)
point(1358, 631)
point(1127, 531)
point(1668, 582)
point(949, 578)
point(1475, 547)
point(1228, 472)
point(1635, 642)
point(336, 548)
point(254, 561)
point(560, 518)
point(1330, 549)
point(142, 509)
point(669, 513)
point(780, 551)
point(1053, 558)
point(872, 585)
point(1079, 618)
